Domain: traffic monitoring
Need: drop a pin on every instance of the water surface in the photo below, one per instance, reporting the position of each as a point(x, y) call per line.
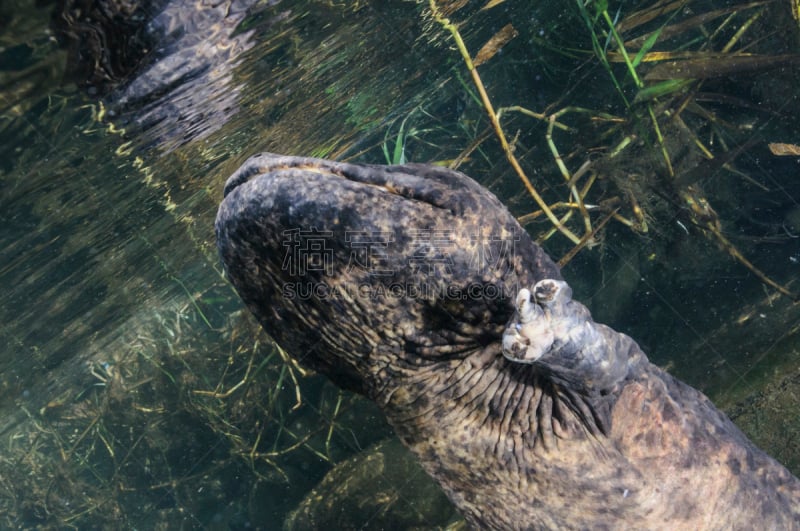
point(136, 390)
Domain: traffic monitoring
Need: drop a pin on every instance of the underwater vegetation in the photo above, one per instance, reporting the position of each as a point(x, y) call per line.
point(643, 144)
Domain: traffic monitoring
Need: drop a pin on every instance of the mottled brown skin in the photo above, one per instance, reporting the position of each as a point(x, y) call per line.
point(551, 443)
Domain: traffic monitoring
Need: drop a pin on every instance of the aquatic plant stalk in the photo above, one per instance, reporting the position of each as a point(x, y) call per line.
point(453, 29)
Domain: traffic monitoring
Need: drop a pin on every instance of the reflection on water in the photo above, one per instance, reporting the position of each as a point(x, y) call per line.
point(135, 389)
point(179, 87)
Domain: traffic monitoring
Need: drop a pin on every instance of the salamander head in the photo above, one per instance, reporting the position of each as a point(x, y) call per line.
point(353, 268)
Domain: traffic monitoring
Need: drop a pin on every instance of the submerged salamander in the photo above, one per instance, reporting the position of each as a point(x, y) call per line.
point(414, 286)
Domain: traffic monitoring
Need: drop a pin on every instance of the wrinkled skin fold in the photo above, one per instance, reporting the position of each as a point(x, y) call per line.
point(414, 286)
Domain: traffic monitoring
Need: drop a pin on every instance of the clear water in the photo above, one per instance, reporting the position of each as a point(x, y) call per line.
point(136, 391)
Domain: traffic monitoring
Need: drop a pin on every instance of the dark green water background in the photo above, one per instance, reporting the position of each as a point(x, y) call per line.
point(114, 312)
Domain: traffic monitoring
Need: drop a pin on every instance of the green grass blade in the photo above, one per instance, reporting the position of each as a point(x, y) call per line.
point(647, 46)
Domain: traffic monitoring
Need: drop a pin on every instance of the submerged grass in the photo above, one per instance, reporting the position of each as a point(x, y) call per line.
point(141, 439)
point(660, 89)
point(186, 417)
